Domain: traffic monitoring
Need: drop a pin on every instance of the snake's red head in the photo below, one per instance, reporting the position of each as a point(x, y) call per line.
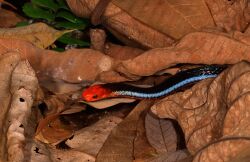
point(95, 93)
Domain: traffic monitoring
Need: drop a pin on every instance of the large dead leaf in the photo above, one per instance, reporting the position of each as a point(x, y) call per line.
point(174, 18)
point(120, 144)
point(214, 114)
point(122, 25)
point(164, 18)
point(39, 34)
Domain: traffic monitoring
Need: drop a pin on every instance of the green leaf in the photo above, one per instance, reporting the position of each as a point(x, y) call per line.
point(58, 49)
point(70, 25)
point(22, 23)
point(62, 4)
point(50, 4)
point(34, 11)
point(70, 17)
point(67, 39)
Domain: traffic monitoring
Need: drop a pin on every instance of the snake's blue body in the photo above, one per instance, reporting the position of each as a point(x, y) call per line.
point(172, 84)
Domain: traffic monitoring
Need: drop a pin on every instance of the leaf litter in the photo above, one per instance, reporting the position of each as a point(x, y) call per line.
point(42, 117)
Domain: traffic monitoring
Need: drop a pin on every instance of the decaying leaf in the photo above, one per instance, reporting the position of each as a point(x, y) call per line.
point(161, 134)
point(214, 114)
point(119, 145)
point(39, 34)
point(7, 64)
point(18, 89)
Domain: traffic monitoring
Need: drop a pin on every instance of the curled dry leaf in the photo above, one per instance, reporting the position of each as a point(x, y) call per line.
point(195, 48)
point(91, 139)
point(9, 18)
point(7, 63)
point(120, 144)
point(161, 134)
point(39, 34)
point(214, 114)
point(72, 66)
point(122, 25)
point(23, 88)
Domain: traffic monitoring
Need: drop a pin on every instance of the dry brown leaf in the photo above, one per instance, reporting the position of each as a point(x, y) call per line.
point(176, 156)
point(52, 130)
point(243, 156)
point(122, 25)
point(214, 114)
point(120, 143)
point(72, 66)
point(142, 148)
point(224, 150)
point(174, 18)
point(39, 34)
point(161, 134)
point(230, 15)
point(55, 104)
point(109, 102)
point(8, 18)
point(70, 156)
point(195, 48)
point(90, 139)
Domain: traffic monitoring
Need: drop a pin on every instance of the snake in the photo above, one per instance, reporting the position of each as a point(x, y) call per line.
point(174, 83)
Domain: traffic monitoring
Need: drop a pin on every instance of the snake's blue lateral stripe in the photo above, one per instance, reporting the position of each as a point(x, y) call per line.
point(165, 91)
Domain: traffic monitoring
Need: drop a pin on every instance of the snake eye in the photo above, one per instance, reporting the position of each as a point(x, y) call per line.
point(95, 96)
